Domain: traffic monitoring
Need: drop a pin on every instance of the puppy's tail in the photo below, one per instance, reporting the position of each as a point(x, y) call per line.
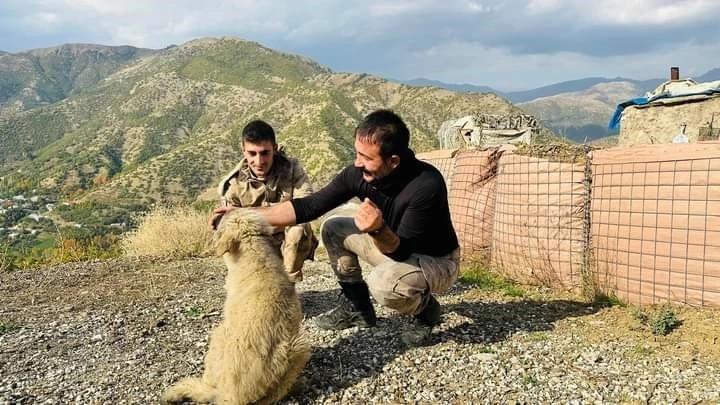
point(189, 389)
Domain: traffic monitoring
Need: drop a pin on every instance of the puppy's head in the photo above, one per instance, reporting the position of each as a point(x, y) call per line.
point(238, 225)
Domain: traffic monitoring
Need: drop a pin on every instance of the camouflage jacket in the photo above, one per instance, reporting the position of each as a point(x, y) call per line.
point(287, 179)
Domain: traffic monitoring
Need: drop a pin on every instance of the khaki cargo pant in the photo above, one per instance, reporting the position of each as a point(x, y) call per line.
point(296, 244)
point(403, 286)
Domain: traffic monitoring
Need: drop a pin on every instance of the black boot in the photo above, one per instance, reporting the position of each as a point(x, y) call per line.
point(354, 309)
point(430, 315)
point(418, 334)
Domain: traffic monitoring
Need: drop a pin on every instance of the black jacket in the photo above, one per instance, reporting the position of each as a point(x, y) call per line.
point(413, 200)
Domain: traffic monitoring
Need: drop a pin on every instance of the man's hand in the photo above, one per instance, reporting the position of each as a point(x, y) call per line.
point(218, 214)
point(278, 216)
point(368, 218)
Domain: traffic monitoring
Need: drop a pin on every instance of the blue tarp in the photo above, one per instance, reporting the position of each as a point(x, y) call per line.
point(614, 124)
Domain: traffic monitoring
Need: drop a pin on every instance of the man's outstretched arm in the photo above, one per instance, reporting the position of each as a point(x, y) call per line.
point(306, 208)
point(278, 215)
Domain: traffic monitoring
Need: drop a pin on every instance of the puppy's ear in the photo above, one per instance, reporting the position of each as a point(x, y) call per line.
point(237, 225)
point(228, 234)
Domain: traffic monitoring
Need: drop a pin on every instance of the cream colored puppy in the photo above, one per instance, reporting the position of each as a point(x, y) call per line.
point(257, 351)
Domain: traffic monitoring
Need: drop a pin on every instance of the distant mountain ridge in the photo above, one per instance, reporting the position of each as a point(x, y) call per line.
point(450, 86)
point(577, 109)
point(555, 88)
point(581, 115)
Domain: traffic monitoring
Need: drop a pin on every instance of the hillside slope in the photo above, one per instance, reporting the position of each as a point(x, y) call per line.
point(583, 114)
point(43, 76)
point(162, 128)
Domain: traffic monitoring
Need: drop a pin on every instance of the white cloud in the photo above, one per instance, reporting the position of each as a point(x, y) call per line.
point(544, 6)
point(506, 71)
point(394, 8)
point(98, 7)
point(41, 21)
point(656, 13)
point(501, 43)
point(627, 12)
point(478, 7)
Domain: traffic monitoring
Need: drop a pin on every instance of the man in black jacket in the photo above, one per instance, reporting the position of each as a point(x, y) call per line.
point(402, 228)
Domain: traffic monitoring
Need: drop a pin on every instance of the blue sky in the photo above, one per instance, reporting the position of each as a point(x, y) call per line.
point(505, 44)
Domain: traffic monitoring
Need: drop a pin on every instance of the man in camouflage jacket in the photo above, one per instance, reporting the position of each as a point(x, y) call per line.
point(266, 176)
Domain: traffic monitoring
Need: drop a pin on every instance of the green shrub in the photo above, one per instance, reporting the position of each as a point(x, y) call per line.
point(6, 327)
point(664, 322)
point(660, 322)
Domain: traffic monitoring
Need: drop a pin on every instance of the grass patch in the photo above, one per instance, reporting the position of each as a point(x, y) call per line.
point(176, 232)
point(610, 300)
point(481, 277)
point(194, 311)
point(642, 350)
point(537, 337)
point(6, 262)
point(6, 327)
point(531, 380)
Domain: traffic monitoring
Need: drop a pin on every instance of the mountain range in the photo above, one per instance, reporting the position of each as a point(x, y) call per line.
point(92, 122)
point(576, 109)
point(109, 122)
point(570, 86)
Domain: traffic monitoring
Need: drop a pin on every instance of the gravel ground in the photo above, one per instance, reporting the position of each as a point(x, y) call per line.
point(120, 331)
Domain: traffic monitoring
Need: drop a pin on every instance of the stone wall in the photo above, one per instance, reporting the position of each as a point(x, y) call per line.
point(660, 123)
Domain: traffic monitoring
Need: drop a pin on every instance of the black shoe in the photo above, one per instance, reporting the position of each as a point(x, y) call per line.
point(354, 309)
point(430, 315)
point(420, 331)
point(416, 334)
point(341, 317)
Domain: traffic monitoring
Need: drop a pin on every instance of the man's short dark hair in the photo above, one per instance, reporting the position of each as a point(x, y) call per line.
point(258, 131)
point(387, 129)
